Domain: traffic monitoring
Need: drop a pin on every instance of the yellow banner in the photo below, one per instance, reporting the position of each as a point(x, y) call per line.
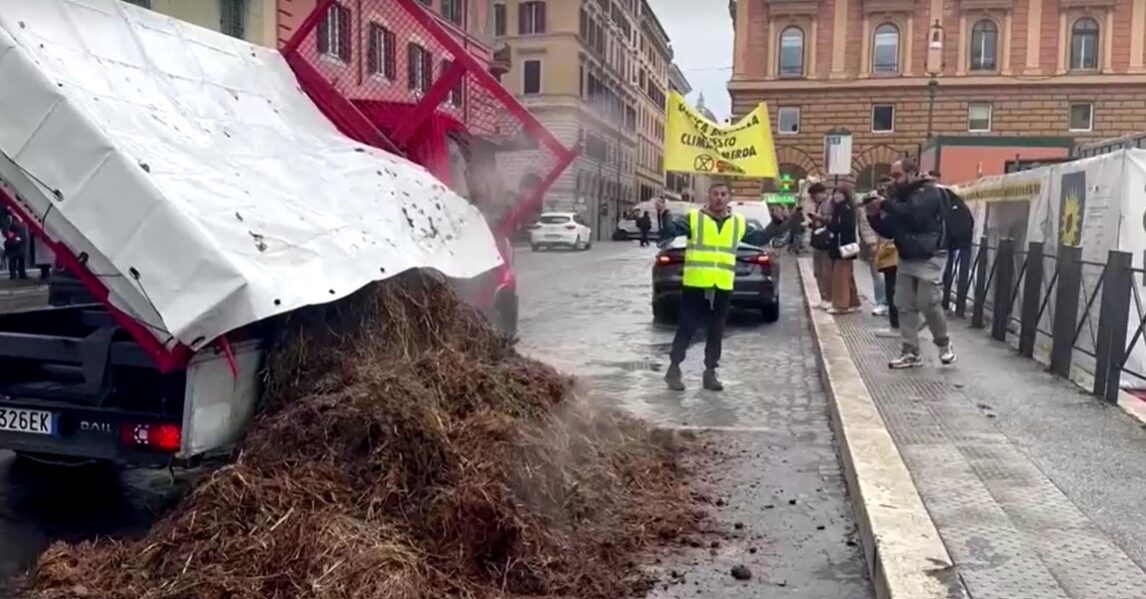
point(694, 144)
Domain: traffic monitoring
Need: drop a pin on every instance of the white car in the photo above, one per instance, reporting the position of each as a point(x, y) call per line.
point(560, 229)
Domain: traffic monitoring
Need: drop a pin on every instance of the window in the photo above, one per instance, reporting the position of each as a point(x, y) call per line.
point(454, 11)
point(499, 20)
point(380, 58)
point(984, 45)
point(882, 118)
point(792, 52)
point(530, 18)
point(334, 33)
point(531, 77)
point(1084, 44)
point(885, 57)
point(1081, 117)
point(979, 117)
point(455, 98)
point(788, 120)
point(419, 68)
point(233, 17)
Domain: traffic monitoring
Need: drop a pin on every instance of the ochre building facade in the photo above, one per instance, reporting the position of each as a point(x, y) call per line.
point(1008, 71)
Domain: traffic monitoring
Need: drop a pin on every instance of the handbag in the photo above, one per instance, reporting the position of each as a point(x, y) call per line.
point(821, 238)
point(849, 250)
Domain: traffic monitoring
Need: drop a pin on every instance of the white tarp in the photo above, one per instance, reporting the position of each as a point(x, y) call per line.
point(196, 161)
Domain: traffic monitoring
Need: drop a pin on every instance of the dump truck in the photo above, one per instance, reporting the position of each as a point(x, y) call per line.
point(194, 189)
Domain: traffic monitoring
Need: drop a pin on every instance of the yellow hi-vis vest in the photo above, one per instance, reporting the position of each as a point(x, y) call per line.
point(710, 256)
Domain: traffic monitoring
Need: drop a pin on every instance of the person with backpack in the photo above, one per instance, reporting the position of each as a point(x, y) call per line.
point(914, 218)
point(960, 226)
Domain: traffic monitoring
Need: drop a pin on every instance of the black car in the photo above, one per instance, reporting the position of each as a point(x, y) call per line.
point(757, 284)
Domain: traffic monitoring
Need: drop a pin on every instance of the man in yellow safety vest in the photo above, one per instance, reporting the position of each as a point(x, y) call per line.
point(714, 233)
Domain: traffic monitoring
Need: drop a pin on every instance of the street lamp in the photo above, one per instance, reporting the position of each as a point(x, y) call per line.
point(934, 69)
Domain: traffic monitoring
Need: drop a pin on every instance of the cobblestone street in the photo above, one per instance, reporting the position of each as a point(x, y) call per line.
point(776, 472)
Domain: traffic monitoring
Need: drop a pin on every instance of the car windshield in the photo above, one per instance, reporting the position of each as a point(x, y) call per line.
point(553, 219)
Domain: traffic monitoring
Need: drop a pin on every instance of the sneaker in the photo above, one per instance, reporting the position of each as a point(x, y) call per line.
point(880, 310)
point(906, 360)
point(947, 354)
point(887, 334)
point(711, 381)
point(837, 311)
point(673, 378)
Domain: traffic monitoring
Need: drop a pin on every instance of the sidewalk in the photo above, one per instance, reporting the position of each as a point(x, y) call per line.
point(1037, 490)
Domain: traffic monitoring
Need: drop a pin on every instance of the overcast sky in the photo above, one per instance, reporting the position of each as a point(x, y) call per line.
point(702, 43)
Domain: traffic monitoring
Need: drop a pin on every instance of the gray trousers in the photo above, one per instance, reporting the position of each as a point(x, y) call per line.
point(918, 295)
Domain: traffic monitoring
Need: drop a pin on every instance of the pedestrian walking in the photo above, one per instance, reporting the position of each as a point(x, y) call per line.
point(868, 242)
point(843, 252)
point(644, 225)
point(820, 213)
point(913, 217)
point(887, 262)
point(713, 232)
point(15, 250)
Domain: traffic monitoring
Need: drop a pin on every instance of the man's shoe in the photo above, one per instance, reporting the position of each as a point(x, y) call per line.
point(888, 334)
point(711, 381)
point(673, 378)
point(947, 354)
point(880, 310)
point(905, 361)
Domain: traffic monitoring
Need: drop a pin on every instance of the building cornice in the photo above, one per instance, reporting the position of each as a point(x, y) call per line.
point(948, 82)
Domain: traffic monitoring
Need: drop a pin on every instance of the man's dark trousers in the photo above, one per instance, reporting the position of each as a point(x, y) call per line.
point(958, 260)
point(696, 311)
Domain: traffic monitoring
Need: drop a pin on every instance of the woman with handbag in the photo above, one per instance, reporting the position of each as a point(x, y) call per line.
point(843, 252)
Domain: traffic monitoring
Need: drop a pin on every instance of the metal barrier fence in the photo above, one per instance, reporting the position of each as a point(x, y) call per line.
point(1069, 312)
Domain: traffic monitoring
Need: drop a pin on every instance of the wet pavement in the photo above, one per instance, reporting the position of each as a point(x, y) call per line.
point(777, 491)
point(771, 477)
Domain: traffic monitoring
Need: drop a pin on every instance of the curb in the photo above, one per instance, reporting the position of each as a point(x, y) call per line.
point(906, 558)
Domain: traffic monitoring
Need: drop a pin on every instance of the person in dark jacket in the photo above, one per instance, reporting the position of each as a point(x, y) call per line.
point(15, 250)
point(644, 225)
point(913, 218)
point(842, 226)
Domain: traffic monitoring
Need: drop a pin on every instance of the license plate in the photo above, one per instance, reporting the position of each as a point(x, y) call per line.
point(25, 421)
point(743, 269)
point(553, 237)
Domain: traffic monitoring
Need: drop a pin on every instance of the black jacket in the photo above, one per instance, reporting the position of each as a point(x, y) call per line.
point(842, 226)
point(913, 218)
point(753, 234)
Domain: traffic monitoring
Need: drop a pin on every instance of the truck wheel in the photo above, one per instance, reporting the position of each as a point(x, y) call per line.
point(771, 311)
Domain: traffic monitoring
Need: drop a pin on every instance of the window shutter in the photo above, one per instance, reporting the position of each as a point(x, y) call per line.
point(372, 49)
point(344, 33)
point(522, 14)
point(540, 14)
point(412, 59)
point(323, 37)
point(427, 69)
point(388, 49)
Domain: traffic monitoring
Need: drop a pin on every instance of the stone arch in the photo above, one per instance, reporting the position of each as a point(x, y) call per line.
point(798, 157)
point(872, 163)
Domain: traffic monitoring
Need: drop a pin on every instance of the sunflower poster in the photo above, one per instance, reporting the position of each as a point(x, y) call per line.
point(1071, 208)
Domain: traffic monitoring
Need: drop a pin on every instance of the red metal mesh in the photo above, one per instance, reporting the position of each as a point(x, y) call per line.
point(423, 81)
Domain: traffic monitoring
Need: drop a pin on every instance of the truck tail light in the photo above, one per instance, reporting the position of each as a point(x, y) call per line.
point(167, 438)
